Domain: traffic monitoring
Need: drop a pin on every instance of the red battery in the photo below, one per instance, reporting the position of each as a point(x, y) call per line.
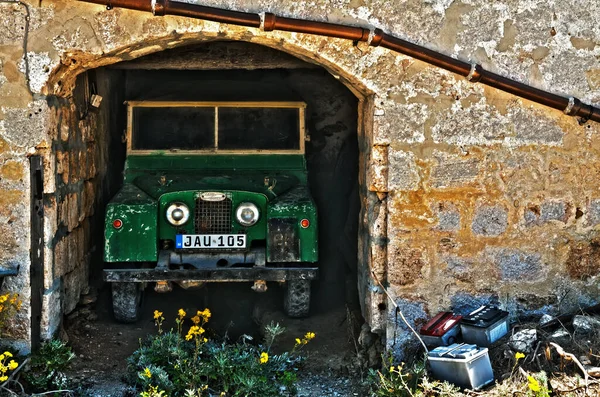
point(442, 330)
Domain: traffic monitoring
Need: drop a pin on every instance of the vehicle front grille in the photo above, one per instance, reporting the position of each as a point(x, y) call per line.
point(213, 217)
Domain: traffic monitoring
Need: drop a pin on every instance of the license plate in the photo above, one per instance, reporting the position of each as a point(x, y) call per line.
point(212, 241)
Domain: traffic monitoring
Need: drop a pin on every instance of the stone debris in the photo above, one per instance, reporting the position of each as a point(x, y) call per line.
point(523, 341)
point(586, 325)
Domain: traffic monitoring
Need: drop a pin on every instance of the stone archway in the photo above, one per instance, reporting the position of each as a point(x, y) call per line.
point(78, 159)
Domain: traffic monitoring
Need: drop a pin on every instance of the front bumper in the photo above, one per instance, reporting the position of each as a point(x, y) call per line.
point(227, 274)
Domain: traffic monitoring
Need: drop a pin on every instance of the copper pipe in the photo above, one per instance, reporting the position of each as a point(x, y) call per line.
point(269, 22)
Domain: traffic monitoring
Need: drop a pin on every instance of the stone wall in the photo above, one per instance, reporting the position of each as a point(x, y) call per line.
point(469, 195)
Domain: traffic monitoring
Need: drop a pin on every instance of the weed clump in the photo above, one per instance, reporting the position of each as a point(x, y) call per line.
point(177, 363)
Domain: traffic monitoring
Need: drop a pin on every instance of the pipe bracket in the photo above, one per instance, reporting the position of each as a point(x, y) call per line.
point(569, 109)
point(375, 37)
point(267, 21)
point(475, 73)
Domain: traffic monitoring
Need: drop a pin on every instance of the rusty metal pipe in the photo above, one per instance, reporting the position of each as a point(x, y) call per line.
point(269, 22)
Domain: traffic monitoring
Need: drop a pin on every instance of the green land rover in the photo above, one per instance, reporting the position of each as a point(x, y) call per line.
point(212, 192)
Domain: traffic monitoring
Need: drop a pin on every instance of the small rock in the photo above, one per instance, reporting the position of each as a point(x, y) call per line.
point(585, 360)
point(546, 318)
point(560, 334)
point(92, 317)
point(88, 299)
point(523, 341)
point(586, 324)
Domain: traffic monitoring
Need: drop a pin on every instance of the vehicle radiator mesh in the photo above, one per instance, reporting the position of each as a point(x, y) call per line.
point(213, 217)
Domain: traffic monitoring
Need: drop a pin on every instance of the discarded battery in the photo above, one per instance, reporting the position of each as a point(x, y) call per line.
point(484, 326)
point(442, 330)
point(464, 365)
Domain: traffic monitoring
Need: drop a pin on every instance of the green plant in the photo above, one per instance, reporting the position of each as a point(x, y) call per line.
point(190, 365)
point(537, 385)
point(399, 381)
point(47, 366)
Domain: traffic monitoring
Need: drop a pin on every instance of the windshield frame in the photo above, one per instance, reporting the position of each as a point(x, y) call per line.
point(131, 105)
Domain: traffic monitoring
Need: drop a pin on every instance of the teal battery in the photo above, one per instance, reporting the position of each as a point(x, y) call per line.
point(466, 366)
point(484, 326)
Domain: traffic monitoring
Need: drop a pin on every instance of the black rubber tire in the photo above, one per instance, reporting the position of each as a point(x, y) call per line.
point(296, 299)
point(127, 301)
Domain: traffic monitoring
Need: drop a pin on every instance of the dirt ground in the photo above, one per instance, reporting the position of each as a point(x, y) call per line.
point(103, 345)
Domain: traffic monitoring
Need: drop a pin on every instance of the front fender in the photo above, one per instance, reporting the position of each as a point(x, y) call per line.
point(136, 240)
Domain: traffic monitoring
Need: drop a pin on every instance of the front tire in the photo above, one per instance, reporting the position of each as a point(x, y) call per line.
point(296, 300)
point(127, 301)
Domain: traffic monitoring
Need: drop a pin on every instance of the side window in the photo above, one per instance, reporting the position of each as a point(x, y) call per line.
point(258, 128)
point(164, 128)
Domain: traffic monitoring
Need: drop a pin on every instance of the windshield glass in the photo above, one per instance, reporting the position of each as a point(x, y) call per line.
point(223, 128)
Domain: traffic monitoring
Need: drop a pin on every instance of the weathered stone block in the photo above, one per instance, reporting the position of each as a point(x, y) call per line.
point(92, 168)
point(594, 212)
point(584, 259)
point(460, 268)
point(448, 217)
point(61, 257)
point(465, 303)
point(517, 265)
point(88, 196)
point(73, 284)
point(533, 126)
point(490, 221)
point(452, 171)
point(403, 171)
point(49, 162)
point(401, 342)
point(378, 169)
point(553, 210)
point(51, 310)
point(27, 127)
point(75, 167)
point(12, 170)
point(62, 165)
point(404, 265)
point(531, 307)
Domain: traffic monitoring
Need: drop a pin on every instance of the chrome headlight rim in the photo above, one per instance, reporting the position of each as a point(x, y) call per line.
point(174, 207)
point(247, 206)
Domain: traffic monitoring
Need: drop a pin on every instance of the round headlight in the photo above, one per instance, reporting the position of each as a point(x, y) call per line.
point(178, 214)
point(247, 214)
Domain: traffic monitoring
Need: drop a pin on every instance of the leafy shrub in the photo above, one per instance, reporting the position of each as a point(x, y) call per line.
point(47, 366)
point(190, 365)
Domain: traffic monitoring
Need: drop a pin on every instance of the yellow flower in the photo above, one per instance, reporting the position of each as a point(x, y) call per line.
point(8, 354)
point(3, 298)
point(392, 368)
point(157, 314)
point(264, 357)
point(205, 314)
point(2, 357)
point(519, 355)
point(3, 378)
point(181, 313)
point(298, 341)
point(12, 365)
point(204, 340)
point(309, 335)
point(147, 373)
point(196, 320)
point(534, 385)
